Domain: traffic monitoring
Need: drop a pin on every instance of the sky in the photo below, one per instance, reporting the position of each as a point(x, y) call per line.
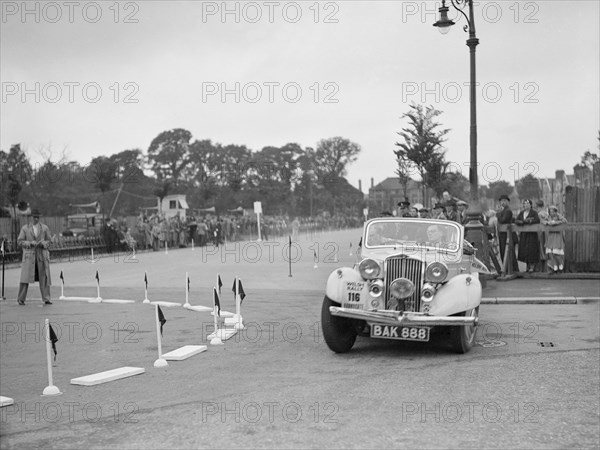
point(84, 79)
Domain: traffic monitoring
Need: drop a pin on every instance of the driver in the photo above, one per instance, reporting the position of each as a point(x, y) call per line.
point(435, 234)
point(382, 233)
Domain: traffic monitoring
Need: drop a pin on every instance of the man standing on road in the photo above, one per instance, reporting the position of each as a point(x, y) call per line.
point(35, 239)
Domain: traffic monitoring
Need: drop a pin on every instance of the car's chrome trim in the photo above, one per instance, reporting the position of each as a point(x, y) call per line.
point(402, 318)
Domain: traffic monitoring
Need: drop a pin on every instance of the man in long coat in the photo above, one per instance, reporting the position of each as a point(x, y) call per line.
point(35, 239)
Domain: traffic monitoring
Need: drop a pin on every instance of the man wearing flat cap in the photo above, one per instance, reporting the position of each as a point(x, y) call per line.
point(438, 211)
point(403, 210)
point(35, 239)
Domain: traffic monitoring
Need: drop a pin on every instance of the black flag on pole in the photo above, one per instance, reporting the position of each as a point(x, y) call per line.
point(53, 339)
point(216, 301)
point(188, 284)
point(161, 319)
point(61, 277)
point(97, 277)
point(241, 291)
point(219, 283)
point(146, 279)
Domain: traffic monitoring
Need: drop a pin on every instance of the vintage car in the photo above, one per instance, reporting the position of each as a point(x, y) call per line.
point(411, 275)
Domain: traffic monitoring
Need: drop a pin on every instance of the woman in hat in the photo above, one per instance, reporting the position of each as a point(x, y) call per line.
point(35, 239)
point(555, 243)
point(529, 245)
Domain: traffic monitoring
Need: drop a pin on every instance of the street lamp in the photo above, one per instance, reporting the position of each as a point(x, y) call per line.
point(474, 228)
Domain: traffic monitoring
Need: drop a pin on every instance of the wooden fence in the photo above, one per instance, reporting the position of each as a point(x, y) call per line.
point(582, 243)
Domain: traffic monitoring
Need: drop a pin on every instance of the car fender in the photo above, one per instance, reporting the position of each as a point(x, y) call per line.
point(344, 280)
point(461, 293)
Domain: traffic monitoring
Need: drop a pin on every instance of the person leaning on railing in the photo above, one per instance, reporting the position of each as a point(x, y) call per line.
point(529, 251)
point(555, 242)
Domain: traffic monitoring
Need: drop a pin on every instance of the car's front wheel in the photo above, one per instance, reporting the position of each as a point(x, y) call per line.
point(463, 337)
point(338, 332)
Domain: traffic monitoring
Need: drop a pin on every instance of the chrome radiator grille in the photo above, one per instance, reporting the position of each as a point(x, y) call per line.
point(402, 267)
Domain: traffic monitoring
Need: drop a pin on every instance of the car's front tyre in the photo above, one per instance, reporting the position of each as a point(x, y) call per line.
point(462, 338)
point(338, 332)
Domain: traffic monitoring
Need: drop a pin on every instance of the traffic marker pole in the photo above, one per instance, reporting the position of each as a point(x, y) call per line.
point(187, 290)
point(160, 362)
point(50, 389)
point(290, 254)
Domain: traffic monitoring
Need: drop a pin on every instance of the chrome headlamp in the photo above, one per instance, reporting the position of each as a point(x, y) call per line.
point(436, 272)
point(402, 288)
point(369, 269)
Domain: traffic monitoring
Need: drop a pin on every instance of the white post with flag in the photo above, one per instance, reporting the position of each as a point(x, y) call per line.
point(216, 340)
point(187, 291)
point(62, 286)
point(160, 362)
point(98, 299)
point(50, 389)
point(146, 288)
point(239, 325)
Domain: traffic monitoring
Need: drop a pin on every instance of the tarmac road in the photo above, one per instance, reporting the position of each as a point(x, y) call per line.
point(531, 381)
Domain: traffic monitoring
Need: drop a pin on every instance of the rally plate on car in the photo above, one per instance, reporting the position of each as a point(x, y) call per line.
point(400, 333)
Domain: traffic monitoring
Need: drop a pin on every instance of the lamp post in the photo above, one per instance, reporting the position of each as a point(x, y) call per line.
point(474, 228)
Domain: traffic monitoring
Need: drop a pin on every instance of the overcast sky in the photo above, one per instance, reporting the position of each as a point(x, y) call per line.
point(112, 76)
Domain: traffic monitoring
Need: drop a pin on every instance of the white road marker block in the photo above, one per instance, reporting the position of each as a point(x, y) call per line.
point(223, 334)
point(116, 300)
point(198, 308)
point(109, 375)
point(6, 401)
point(166, 304)
point(236, 321)
point(224, 314)
point(184, 352)
point(76, 299)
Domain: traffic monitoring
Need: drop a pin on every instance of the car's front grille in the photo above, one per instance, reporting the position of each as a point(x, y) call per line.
point(403, 267)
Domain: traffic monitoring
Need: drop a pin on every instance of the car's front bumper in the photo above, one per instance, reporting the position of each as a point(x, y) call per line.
point(402, 317)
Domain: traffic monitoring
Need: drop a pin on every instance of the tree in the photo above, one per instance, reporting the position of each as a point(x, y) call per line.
point(456, 184)
point(168, 154)
point(332, 157)
point(102, 171)
point(498, 188)
point(589, 165)
point(403, 171)
point(16, 172)
point(528, 187)
point(422, 145)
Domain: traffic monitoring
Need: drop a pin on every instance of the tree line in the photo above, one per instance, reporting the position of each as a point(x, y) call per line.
point(287, 180)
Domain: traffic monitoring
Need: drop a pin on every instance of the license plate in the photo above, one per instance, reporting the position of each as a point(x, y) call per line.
point(400, 333)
